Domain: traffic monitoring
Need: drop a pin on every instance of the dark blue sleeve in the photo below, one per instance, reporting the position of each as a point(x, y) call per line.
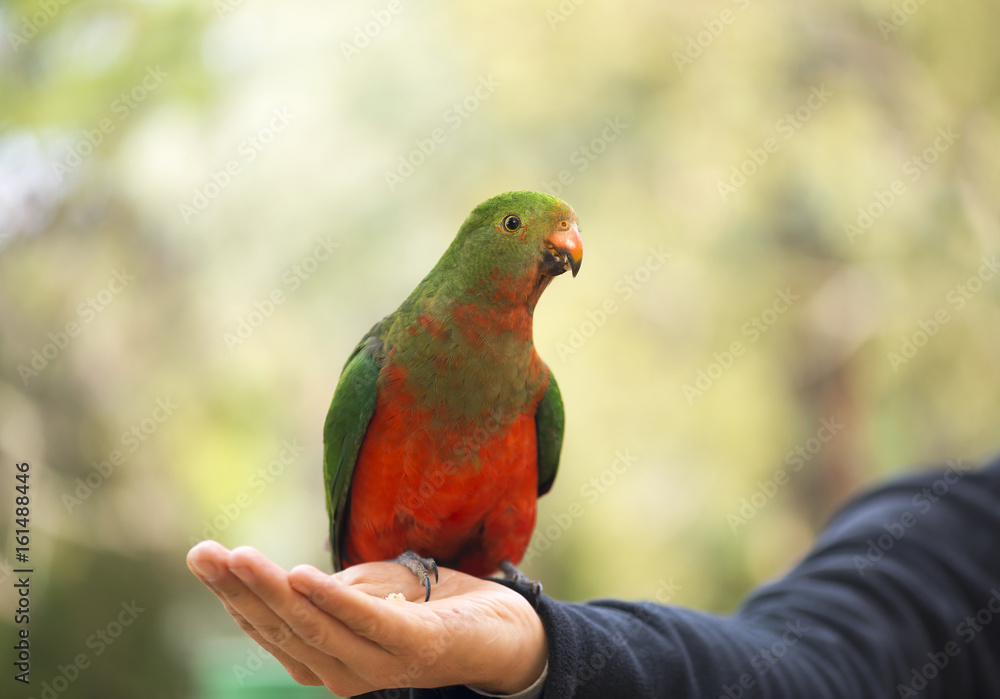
point(899, 598)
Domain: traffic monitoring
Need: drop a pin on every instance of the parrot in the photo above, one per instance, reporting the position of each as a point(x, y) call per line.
point(445, 425)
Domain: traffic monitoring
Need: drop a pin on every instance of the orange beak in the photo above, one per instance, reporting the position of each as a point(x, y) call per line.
point(565, 246)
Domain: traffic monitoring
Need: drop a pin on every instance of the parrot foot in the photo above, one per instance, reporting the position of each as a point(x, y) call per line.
point(419, 566)
point(512, 574)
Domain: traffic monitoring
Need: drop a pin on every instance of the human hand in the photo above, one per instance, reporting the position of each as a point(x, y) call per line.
point(339, 631)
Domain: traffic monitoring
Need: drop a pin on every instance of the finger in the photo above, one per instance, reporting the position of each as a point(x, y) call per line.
point(260, 592)
point(298, 626)
point(390, 625)
point(423, 639)
point(208, 560)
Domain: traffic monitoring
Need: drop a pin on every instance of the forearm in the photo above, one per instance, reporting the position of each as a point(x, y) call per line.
point(850, 622)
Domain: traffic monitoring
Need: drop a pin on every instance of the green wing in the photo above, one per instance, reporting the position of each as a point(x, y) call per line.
point(549, 423)
point(346, 422)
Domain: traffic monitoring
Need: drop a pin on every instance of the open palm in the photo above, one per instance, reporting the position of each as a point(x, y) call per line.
point(341, 632)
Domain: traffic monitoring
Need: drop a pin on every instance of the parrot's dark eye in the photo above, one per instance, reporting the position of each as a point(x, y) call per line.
point(512, 223)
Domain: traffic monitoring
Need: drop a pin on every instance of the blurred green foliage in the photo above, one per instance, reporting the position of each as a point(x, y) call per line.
point(844, 154)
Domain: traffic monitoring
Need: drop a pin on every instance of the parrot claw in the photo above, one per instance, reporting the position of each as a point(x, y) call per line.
point(420, 567)
point(512, 574)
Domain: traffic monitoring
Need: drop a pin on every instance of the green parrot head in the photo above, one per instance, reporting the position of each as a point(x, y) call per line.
point(511, 246)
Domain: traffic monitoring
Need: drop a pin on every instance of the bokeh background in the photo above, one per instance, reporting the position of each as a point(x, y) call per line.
point(203, 205)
